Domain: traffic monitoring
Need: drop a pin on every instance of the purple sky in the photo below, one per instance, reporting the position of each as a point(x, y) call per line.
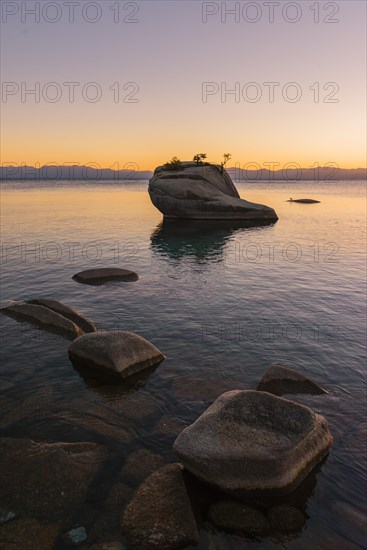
point(169, 57)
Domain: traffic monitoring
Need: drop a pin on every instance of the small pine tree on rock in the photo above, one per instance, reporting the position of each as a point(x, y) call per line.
point(226, 158)
point(199, 158)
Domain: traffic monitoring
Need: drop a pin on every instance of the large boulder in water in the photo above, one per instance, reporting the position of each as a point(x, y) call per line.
point(203, 192)
point(251, 442)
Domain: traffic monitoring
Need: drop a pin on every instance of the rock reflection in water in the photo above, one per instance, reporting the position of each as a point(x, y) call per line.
point(202, 240)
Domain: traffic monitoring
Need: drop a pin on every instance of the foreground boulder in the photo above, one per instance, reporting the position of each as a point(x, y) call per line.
point(44, 317)
point(280, 380)
point(160, 515)
point(105, 275)
point(116, 352)
point(251, 442)
point(47, 480)
point(67, 312)
point(203, 192)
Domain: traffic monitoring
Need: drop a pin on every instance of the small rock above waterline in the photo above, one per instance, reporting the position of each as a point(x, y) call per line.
point(104, 275)
point(44, 317)
point(280, 380)
point(116, 352)
point(159, 517)
point(66, 311)
point(286, 518)
point(235, 516)
point(304, 201)
point(254, 442)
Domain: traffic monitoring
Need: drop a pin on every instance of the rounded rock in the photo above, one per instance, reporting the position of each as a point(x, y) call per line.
point(251, 442)
point(116, 352)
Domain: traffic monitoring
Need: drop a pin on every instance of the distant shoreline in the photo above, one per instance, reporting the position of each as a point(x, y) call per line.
point(238, 175)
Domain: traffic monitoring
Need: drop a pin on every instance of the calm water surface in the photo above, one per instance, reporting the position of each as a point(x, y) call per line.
point(222, 303)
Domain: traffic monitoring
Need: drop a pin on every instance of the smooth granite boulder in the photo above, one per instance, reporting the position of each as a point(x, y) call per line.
point(203, 192)
point(67, 312)
point(44, 317)
point(159, 517)
point(251, 442)
point(116, 352)
point(104, 275)
point(280, 380)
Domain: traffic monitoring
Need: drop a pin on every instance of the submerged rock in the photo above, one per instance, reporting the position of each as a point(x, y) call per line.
point(28, 534)
point(47, 479)
point(169, 426)
point(66, 311)
point(286, 518)
point(203, 192)
point(236, 516)
point(280, 380)
point(104, 275)
point(140, 464)
point(250, 443)
point(44, 317)
point(100, 422)
point(160, 515)
point(116, 352)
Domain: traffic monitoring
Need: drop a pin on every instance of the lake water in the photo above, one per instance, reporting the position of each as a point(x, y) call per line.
point(221, 302)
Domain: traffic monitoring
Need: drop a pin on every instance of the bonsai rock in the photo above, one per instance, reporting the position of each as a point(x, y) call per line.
point(203, 192)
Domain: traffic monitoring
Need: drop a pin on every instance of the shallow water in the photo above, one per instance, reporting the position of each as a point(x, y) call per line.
point(222, 303)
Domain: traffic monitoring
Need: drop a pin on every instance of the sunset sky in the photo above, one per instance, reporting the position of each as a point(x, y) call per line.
point(169, 53)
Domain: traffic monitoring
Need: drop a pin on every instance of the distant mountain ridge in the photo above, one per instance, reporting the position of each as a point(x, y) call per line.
point(88, 173)
point(328, 173)
point(71, 173)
